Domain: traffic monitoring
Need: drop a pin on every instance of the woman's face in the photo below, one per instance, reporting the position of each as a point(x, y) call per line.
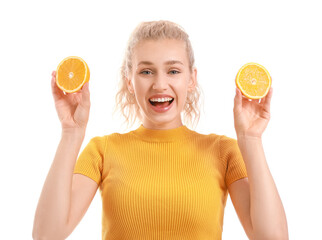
point(160, 69)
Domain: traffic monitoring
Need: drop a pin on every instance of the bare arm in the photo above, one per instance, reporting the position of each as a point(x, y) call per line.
point(266, 209)
point(54, 203)
point(65, 196)
point(256, 199)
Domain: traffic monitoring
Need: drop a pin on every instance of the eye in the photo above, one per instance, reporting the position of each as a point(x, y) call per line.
point(146, 72)
point(174, 72)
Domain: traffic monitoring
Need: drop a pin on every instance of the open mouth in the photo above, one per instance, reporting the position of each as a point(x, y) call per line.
point(161, 103)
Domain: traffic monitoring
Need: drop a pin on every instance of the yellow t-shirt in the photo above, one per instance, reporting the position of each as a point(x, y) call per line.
point(162, 184)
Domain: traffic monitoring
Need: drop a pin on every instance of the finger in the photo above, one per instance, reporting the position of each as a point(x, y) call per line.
point(85, 86)
point(57, 93)
point(267, 100)
point(238, 101)
point(85, 95)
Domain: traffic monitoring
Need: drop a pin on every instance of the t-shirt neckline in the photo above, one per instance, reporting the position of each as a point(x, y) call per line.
point(162, 135)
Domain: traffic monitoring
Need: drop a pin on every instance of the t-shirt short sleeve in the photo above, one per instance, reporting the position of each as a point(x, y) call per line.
point(232, 159)
point(90, 161)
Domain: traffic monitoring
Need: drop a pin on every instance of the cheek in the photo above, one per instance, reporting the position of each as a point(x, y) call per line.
point(181, 93)
point(140, 90)
point(181, 87)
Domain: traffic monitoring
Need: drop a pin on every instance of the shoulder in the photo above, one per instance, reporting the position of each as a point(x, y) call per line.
point(111, 138)
point(210, 141)
point(226, 141)
point(223, 140)
point(204, 136)
point(221, 144)
point(96, 144)
point(228, 148)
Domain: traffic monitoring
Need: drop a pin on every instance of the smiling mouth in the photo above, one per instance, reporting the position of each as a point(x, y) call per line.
point(161, 104)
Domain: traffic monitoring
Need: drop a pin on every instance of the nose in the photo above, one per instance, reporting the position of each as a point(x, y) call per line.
point(160, 82)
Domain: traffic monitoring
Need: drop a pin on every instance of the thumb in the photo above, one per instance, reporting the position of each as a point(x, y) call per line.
point(85, 95)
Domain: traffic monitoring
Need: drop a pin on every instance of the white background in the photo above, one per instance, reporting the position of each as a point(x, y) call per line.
point(283, 36)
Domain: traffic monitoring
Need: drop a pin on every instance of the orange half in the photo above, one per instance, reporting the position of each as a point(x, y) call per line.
point(253, 80)
point(72, 73)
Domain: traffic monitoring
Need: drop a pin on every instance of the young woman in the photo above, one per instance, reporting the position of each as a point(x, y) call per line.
point(162, 180)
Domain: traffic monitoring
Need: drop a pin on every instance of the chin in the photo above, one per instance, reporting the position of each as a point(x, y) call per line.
point(162, 120)
point(156, 118)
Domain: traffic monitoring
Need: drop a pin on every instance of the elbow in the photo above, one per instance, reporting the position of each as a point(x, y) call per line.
point(271, 236)
point(275, 232)
point(36, 236)
point(280, 236)
point(40, 234)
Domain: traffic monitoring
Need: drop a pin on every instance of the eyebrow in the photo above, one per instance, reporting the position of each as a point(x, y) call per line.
point(171, 62)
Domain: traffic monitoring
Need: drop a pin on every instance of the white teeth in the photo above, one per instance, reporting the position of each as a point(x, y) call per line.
point(160, 99)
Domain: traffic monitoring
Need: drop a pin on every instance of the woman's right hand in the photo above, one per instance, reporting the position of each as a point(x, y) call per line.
point(72, 108)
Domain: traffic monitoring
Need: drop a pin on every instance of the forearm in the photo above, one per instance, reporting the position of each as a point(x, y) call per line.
point(54, 203)
point(266, 209)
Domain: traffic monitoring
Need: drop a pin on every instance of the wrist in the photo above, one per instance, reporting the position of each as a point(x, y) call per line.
point(245, 137)
point(73, 132)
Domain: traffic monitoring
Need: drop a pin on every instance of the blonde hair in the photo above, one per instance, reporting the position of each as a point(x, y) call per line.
point(155, 30)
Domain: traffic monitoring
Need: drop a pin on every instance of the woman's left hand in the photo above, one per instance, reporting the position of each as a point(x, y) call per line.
point(251, 116)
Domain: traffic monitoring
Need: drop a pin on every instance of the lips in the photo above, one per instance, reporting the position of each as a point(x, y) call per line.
point(161, 106)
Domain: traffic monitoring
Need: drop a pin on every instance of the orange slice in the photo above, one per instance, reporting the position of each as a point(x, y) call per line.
point(253, 80)
point(72, 73)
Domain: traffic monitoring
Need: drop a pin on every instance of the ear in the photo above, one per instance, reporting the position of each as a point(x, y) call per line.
point(129, 85)
point(193, 80)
